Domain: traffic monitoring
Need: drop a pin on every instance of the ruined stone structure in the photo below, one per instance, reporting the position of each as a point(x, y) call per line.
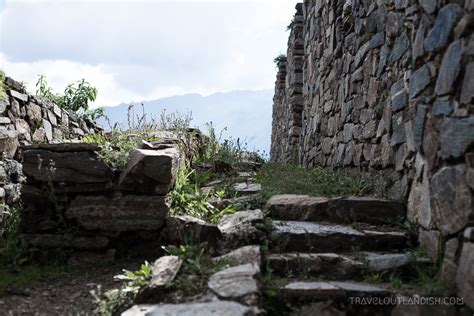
point(28, 119)
point(389, 86)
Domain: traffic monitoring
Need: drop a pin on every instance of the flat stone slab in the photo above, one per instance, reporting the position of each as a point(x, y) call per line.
point(237, 283)
point(243, 255)
point(119, 213)
point(63, 147)
point(182, 228)
point(338, 210)
point(312, 291)
point(218, 308)
point(150, 171)
point(247, 188)
point(383, 262)
point(82, 167)
point(297, 236)
point(330, 266)
point(330, 290)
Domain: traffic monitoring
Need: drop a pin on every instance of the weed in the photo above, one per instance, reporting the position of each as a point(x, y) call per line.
point(12, 247)
point(279, 58)
point(187, 198)
point(110, 302)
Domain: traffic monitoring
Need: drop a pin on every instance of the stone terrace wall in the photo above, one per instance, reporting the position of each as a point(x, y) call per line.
point(288, 98)
point(389, 85)
point(27, 119)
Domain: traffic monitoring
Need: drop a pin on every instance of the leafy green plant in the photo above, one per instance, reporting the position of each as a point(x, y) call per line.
point(12, 248)
point(187, 198)
point(279, 58)
point(3, 87)
point(292, 23)
point(111, 301)
point(76, 96)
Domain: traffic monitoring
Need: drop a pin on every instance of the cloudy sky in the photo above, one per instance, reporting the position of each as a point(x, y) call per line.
point(137, 50)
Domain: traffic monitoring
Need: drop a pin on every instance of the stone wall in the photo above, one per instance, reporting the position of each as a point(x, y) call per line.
point(27, 119)
point(389, 86)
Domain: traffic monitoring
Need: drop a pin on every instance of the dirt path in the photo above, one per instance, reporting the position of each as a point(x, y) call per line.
point(65, 294)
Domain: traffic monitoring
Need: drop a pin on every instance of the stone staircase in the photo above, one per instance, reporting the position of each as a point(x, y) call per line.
point(312, 252)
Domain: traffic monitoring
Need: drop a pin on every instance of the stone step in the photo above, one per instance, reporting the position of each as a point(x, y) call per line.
point(334, 266)
point(307, 291)
point(337, 210)
point(298, 236)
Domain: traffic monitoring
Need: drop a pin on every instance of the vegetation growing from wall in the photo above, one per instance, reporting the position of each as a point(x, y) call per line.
point(3, 88)
point(76, 97)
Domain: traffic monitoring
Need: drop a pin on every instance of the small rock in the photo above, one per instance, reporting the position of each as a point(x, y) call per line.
point(449, 68)
point(419, 81)
point(467, 91)
point(244, 255)
point(247, 188)
point(239, 282)
point(240, 226)
point(186, 228)
point(457, 134)
point(445, 22)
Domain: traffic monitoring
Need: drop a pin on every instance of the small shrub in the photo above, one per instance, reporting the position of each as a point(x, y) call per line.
point(279, 58)
point(76, 97)
point(290, 26)
point(167, 121)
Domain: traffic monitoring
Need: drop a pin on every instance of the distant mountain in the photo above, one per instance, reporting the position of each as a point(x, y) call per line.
point(246, 114)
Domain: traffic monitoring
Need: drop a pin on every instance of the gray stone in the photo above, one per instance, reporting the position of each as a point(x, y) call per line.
point(399, 48)
point(33, 111)
point(247, 188)
point(467, 91)
point(312, 291)
point(119, 213)
point(430, 240)
point(164, 271)
point(398, 95)
point(417, 46)
point(47, 241)
point(457, 134)
point(442, 106)
point(63, 147)
point(86, 258)
point(243, 255)
point(449, 266)
point(360, 55)
point(150, 171)
point(69, 167)
point(377, 40)
point(419, 125)
point(398, 126)
point(187, 228)
point(353, 289)
point(8, 143)
point(19, 96)
point(314, 237)
point(48, 129)
point(377, 262)
point(89, 242)
point(465, 274)
point(419, 202)
point(23, 129)
point(237, 283)
point(394, 24)
point(451, 199)
point(449, 68)
point(4, 102)
point(216, 308)
point(39, 136)
point(469, 234)
point(419, 80)
point(428, 5)
point(4, 120)
point(348, 128)
point(329, 266)
point(297, 207)
point(241, 225)
point(445, 22)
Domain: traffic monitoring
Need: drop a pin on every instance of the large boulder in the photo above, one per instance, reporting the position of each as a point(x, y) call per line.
point(150, 171)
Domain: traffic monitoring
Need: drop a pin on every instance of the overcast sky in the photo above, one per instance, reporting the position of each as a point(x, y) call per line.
point(145, 49)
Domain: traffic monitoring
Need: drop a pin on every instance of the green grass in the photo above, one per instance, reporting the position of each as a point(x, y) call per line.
point(278, 179)
point(19, 278)
point(3, 87)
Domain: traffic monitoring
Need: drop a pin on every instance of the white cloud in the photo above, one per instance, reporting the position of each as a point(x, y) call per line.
point(147, 49)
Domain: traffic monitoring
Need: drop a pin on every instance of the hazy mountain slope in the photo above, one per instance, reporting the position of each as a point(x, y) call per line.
point(246, 114)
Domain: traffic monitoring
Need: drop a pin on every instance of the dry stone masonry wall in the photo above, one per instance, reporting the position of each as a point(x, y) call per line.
point(27, 119)
point(389, 85)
